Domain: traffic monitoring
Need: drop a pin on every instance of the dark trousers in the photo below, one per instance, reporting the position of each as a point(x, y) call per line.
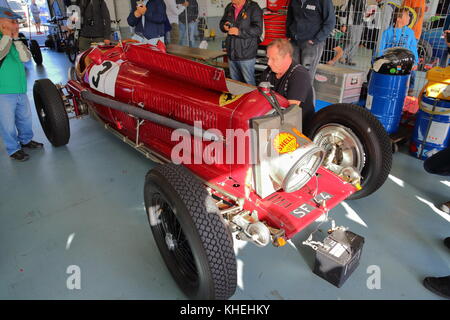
point(309, 55)
point(439, 163)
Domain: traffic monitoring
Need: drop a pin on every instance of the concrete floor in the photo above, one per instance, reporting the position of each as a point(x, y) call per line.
point(82, 205)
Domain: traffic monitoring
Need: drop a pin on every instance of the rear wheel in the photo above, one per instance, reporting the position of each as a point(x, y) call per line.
point(192, 237)
point(35, 50)
point(51, 112)
point(353, 137)
point(23, 39)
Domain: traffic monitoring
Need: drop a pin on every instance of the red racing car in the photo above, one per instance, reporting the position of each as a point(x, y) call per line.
point(235, 160)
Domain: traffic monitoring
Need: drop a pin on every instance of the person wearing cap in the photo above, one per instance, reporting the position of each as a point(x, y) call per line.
point(15, 114)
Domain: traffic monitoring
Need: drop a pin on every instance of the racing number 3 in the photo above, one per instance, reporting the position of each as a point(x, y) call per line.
point(107, 65)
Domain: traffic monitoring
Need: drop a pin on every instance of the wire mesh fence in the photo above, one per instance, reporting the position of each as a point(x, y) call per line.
point(360, 24)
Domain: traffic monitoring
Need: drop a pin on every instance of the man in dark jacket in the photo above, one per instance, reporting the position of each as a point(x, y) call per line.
point(309, 22)
point(191, 17)
point(243, 22)
point(439, 163)
point(149, 20)
point(95, 23)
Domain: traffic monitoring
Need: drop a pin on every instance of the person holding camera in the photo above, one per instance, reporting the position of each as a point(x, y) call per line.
point(95, 24)
point(149, 20)
point(243, 23)
point(16, 128)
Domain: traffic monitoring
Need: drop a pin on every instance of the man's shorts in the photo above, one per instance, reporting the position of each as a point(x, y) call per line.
point(36, 18)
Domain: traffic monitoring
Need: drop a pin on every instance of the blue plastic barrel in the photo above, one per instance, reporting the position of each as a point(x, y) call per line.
point(432, 129)
point(385, 99)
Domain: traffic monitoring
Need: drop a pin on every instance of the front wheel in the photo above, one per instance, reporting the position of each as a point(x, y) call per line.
point(353, 137)
point(192, 237)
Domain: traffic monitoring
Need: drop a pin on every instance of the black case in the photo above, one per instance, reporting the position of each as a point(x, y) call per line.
point(339, 257)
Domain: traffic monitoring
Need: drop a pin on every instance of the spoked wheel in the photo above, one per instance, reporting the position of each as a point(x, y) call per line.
point(353, 137)
point(171, 231)
point(35, 50)
point(51, 112)
point(192, 237)
point(71, 49)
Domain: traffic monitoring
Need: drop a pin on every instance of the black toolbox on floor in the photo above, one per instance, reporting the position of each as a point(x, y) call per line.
point(339, 256)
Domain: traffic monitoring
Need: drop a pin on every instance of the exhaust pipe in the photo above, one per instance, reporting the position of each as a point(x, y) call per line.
point(147, 115)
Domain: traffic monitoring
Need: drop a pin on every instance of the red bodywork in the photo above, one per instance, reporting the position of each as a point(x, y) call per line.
point(187, 91)
point(275, 20)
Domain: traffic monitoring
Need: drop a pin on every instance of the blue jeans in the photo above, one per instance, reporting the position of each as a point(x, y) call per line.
point(15, 121)
point(192, 31)
point(243, 71)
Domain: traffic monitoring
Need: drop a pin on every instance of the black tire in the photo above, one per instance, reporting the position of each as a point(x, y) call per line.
point(57, 43)
point(35, 50)
point(23, 39)
point(375, 142)
point(72, 49)
point(201, 259)
point(51, 112)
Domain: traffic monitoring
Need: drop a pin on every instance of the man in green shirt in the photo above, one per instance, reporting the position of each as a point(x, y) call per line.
point(15, 114)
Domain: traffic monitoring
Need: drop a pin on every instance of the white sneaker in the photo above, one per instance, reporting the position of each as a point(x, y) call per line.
point(445, 207)
point(203, 45)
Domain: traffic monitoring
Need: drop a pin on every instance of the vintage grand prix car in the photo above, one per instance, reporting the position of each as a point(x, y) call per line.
point(234, 160)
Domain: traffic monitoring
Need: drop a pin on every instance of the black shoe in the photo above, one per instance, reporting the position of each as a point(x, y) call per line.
point(447, 242)
point(350, 63)
point(20, 155)
point(33, 145)
point(439, 286)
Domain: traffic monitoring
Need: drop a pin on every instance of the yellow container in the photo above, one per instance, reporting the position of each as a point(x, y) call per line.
point(438, 83)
